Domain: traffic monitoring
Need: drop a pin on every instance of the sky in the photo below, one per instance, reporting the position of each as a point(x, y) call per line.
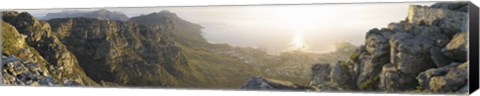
point(277, 28)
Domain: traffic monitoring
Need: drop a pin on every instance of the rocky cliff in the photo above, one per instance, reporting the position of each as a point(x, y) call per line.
point(36, 43)
point(408, 55)
point(184, 32)
point(427, 52)
point(121, 52)
point(101, 14)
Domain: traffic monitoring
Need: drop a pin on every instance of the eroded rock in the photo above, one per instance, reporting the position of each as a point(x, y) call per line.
point(320, 73)
point(258, 83)
point(341, 75)
point(449, 78)
point(457, 47)
point(450, 21)
point(21, 72)
point(391, 79)
point(411, 52)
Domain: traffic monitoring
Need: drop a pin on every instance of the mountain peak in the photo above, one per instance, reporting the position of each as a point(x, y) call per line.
point(102, 14)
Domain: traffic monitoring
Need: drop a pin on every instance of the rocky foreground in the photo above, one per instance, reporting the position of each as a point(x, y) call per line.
point(425, 53)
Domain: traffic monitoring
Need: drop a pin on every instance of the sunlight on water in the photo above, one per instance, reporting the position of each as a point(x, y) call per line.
point(298, 42)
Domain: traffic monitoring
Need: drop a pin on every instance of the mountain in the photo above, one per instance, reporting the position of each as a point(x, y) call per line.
point(101, 14)
point(186, 33)
point(38, 44)
point(424, 53)
point(124, 53)
point(155, 50)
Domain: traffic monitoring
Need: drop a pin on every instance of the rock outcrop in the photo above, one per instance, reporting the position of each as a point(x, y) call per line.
point(320, 74)
point(184, 32)
point(457, 48)
point(58, 59)
point(258, 83)
point(338, 77)
point(101, 14)
point(20, 72)
point(420, 54)
point(450, 78)
point(372, 58)
point(422, 51)
point(450, 21)
point(393, 80)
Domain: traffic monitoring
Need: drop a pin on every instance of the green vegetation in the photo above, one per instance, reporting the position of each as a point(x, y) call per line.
point(369, 83)
point(355, 56)
point(14, 44)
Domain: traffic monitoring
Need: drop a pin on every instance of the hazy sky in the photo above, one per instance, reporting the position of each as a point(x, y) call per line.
point(278, 28)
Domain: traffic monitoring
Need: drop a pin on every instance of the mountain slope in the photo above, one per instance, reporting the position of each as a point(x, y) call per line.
point(60, 61)
point(186, 33)
point(124, 53)
point(220, 64)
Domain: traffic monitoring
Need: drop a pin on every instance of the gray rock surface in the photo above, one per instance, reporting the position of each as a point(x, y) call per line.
point(369, 65)
point(411, 52)
point(377, 44)
point(21, 72)
point(320, 73)
point(449, 78)
point(258, 83)
point(391, 79)
point(448, 20)
point(457, 47)
point(342, 76)
point(438, 57)
point(62, 63)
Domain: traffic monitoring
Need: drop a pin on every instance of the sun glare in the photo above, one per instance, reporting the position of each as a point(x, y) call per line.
point(298, 20)
point(298, 41)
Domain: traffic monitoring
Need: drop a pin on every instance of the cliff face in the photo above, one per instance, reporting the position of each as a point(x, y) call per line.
point(184, 32)
point(124, 53)
point(20, 62)
point(101, 14)
point(425, 53)
point(419, 54)
point(61, 62)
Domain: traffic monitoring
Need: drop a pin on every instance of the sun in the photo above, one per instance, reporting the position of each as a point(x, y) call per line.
point(298, 41)
point(298, 20)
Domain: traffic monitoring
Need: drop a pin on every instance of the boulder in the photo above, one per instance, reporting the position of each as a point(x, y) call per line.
point(368, 78)
point(431, 32)
point(438, 58)
point(411, 52)
point(401, 26)
point(320, 73)
point(369, 65)
point(377, 45)
point(259, 83)
point(450, 21)
point(457, 48)
point(341, 75)
point(391, 79)
point(20, 72)
point(450, 78)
